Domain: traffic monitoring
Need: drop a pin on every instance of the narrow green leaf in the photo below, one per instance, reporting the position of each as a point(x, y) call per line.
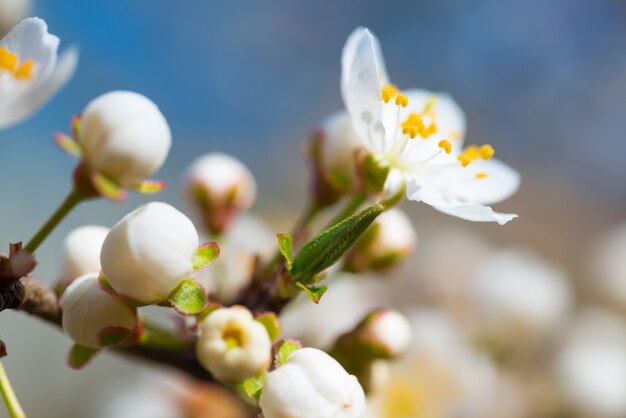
point(67, 144)
point(314, 293)
point(254, 386)
point(107, 188)
point(80, 356)
point(189, 298)
point(271, 324)
point(284, 350)
point(285, 245)
point(150, 186)
point(205, 255)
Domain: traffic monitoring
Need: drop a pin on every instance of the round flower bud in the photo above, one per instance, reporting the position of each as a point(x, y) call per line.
point(388, 242)
point(388, 331)
point(312, 384)
point(80, 252)
point(124, 136)
point(92, 315)
point(220, 187)
point(149, 252)
point(11, 13)
point(232, 345)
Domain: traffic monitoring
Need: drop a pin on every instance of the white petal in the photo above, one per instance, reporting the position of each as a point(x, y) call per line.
point(362, 80)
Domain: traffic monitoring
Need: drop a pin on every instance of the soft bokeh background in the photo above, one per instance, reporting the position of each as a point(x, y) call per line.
point(544, 82)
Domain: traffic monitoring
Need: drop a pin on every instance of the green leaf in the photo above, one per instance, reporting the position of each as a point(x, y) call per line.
point(284, 350)
point(205, 255)
point(189, 298)
point(314, 293)
point(107, 188)
point(329, 246)
point(285, 245)
point(373, 174)
point(112, 336)
point(81, 355)
point(150, 186)
point(67, 144)
point(253, 386)
point(271, 324)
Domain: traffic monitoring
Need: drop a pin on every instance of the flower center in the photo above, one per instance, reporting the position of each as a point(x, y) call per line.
point(233, 336)
point(11, 63)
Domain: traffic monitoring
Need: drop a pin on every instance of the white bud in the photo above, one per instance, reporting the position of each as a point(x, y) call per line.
point(388, 242)
point(386, 329)
point(149, 252)
point(312, 384)
point(12, 12)
point(220, 187)
point(89, 312)
point(124, 136)
point(232, 345)
point(608, 265)
point(338, 144)
point(80, 252)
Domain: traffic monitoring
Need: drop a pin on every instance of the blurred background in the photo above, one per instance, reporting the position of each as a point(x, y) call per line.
point(544, 82)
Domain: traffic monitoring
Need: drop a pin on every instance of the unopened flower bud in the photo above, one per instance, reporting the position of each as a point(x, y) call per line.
point(220, 187)
point(312, 384)
point(12, 12)
point(124, 136)
point(149, 252)
point(232, 345)
point(94, 317)
point(386, 332)
point(80, 252)
point(388, 242)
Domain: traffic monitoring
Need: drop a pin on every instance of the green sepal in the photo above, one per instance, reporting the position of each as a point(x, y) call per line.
point(314, 293)
point(283, 350)
point(80, 355)
point(329, 246)
point(373, 174)
point(150, 186)
point(107, 188)
point(211, 307)
point(189, 297)
point(271, 324)
point(205, 255)
point(253, 386)
point(68, 144)
point(112, 336)
point(285, 245)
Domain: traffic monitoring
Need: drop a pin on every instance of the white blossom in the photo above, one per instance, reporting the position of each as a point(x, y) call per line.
point(124, 136)
point(312, 384)
point(80, 251)
point(30, 73)
point(387, 329)
point(232, 345)
point(149, 252)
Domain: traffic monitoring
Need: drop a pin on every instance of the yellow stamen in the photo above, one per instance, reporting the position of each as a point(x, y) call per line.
point(464, 159)
point(387, 92)
point(471, 152)
point(402, 100)
point(432, 128)
point(486, 152)
point(8, 60)
point(25, 72)
point(481, 175)
point(429, 105)
point(445, 145)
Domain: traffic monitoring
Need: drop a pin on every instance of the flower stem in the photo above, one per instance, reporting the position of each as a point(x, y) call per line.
point(13, 405)
point(70, 202)
point(154, 336)
point(353, 205)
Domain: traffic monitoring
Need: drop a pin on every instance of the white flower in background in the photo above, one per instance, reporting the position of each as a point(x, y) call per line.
point(80, 252)
point(220, 187)
point(387, 243)
point(516, 293)
point(607, 266)
point(387, 329)
point(149, 252)
point(419, 135)
point(124, 136)
point(440, 376)
point(591, 365)
point(89, 312)
point(12, 12)
point(245, 242)
point(232, 345)
point(314, 385)
point(30, 73)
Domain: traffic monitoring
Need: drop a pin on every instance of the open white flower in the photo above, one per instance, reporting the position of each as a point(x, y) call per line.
point(419, 136)
point(29, 70)
point(80, 252)
point(149, 252)
point(232, 345)
point(312, 384)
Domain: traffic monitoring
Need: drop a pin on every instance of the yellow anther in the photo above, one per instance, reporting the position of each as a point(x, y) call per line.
point(387, 92)
point(426, 132)
point(445, 145)
point(410, 131)
point(486, 152)
point(25, 72)
point(471, 152)
point(481, 175)
point(8, 60)
point(464, 159)
point(402, 100)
